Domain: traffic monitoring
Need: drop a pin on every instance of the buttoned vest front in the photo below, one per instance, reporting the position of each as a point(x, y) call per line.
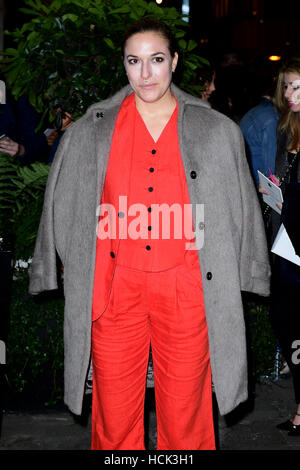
point(145, 216)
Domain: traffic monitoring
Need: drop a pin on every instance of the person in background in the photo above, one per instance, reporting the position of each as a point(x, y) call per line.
point(285, 285)
point(206, 78)
point(233, 87)
point(158, 147)
point(259, 127)
point(64, 121)
point(18, 123)
point(8, 131)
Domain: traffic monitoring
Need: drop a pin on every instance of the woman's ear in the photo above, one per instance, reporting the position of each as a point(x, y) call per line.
point(174, 62)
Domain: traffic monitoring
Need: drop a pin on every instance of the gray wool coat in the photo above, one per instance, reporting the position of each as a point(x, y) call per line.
point(233, 257)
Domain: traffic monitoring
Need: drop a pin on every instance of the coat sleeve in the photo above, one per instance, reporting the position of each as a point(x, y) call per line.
point(43, 269)
point(255, 269)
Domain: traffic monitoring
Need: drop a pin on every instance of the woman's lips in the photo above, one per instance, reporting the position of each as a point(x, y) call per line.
point(147, 86)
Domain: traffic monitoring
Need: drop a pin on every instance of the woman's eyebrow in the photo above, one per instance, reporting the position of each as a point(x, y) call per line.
point(293, 81)
point(152, 55)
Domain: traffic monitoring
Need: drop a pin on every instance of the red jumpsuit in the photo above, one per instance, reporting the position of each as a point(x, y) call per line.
point(155, 298)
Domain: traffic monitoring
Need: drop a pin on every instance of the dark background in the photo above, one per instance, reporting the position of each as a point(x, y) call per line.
point(253, 28)
point(228, 33)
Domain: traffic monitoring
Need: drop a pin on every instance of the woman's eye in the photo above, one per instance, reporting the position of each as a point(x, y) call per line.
point(132, 61)
point(158, 59)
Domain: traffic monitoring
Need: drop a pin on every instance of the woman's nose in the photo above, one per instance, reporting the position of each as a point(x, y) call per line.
point(146, 70)
point(288, 92)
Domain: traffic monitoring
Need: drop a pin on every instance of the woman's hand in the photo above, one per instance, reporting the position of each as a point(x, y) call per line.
point(262, 190)
point(275, 179)
point(10, 147)
point(51, 137)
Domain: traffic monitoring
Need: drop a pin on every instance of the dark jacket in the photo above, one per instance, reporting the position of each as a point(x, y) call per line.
point(19, 120)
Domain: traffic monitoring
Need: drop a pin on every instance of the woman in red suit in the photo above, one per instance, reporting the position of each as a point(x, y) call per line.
point(156, 296)
point(147, 277)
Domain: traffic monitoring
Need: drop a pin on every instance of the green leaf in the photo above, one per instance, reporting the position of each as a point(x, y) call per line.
point(82, 53)
point(123, 9)
point(29, 11)
point(182, 43)
point(191, 45)
point(10, 51)
point(109, 42)
point(70, 16)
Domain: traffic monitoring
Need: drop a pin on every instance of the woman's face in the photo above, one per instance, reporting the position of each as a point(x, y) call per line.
point(149, 65)
point(292, 90)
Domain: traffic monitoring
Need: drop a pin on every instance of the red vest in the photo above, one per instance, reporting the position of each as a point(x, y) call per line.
point(146, 216)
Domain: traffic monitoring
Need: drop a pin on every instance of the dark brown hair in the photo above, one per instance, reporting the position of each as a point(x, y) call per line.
point(151, 24)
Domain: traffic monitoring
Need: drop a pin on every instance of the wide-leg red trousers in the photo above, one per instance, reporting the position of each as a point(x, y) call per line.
point(165, 309)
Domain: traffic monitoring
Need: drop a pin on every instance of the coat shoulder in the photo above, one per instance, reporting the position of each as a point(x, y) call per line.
point(98, 109)
point(199, 109)
point(214, 121)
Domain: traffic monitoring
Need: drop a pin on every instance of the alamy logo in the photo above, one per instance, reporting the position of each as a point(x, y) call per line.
point(2, 352)
point(296, 354)
point(159, 221)
point(2, 92)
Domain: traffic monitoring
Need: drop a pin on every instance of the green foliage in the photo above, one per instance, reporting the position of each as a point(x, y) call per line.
point(21, 200)
point(262, 340)
point(35, 345)
point(8, 173)
point(69, 52)
point(35, 341)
